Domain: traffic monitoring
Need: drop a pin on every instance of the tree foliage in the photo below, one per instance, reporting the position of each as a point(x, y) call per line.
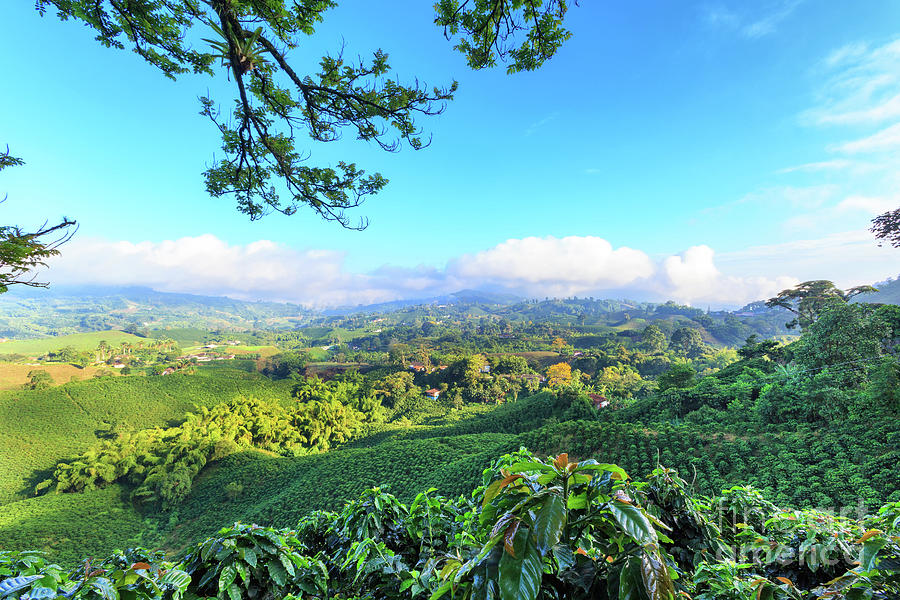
point(162, 463)
point(886, 227)
point(534, 528)
point(487, 30)
point(807, 300)
point(274, 100)
point(559, 375)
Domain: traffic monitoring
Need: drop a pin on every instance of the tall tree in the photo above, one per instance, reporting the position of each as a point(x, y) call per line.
point(274, 101)
point(886, 227)
point(688, 340)
point(807, 300)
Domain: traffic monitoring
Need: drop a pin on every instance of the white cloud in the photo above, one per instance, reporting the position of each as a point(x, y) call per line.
point(588, 261)
point(208, 265)
point(836, 164)
point(868, 205)
point(885, 140)
point(769, 22)
point(848, 258)
point(751, 26)
point(531, 129)
point(861, 86)
point(855, 209)
point(786, 197)
point(536, 267)
point(846, 53)
point(693, 276)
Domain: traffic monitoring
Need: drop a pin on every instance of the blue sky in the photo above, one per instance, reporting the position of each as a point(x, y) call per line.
point(707, 152)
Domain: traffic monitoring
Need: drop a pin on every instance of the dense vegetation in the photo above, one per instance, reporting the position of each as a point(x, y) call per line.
point(162, 463)
point(533, 529)
point(811, 424)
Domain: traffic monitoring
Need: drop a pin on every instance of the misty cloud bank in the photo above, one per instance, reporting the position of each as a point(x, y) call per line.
point(531, 267)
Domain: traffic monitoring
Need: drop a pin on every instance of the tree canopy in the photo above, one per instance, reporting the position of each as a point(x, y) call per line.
point(886, 227)
point(807, 300)
point(273, 101)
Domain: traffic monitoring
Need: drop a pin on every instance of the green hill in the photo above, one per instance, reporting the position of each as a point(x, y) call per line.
point(46, 426)
point(42, 427)
point(79, 341)
point(888, 293)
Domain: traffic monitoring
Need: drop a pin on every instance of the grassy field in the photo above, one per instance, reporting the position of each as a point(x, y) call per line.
point(14, 375)
point(80, 341)
point(424, 444)
point(70, 527)
point(263, 351)
point(43, 427)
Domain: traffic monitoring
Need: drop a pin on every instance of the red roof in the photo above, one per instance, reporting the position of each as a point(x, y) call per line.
point(433, 391)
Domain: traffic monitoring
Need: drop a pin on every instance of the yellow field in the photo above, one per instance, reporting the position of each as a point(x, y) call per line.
point(14, 375)
point(263, 351)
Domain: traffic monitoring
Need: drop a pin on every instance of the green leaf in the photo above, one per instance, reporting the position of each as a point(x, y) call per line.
point(631, 584)
point(249, 556)
point(180, 579)
point(632, 520)
point(443, 589)
point(655, 575)
point(105, 587)
point(491, 492)
point(286, 563)
point(564, 555)
point(472, 563)
point(234, 592)
point(14, 584)
point(243, 571)
point(277, 572)
point(226, 577)
point(43, 593)
point(520, 577)
point(869, 554)
point(530, 465)
point(577, 501)
point(547, 477)
point(549, 523)
point(616, 471)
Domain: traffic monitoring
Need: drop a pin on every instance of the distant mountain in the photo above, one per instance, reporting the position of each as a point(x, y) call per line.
point(60, 310)
point(486, 297)
point(384, 307)
point(888, 292)
point(466, 296)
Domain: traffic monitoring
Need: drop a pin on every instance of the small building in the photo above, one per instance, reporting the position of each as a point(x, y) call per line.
point(486, 369)
point(417, 367)
point(168, 371)
point(433, 394)
point(598, 401)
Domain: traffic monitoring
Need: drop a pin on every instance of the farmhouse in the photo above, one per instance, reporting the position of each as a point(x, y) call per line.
point(598, 401)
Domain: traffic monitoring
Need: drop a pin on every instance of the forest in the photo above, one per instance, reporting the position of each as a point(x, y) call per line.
point(610, 455)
